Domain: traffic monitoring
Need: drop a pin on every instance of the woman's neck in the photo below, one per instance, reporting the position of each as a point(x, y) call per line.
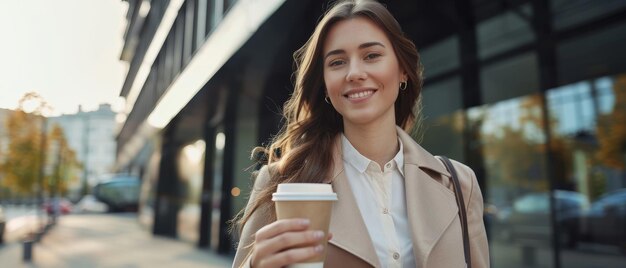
point(377, 143)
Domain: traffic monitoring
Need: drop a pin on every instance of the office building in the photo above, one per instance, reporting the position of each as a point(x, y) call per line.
point(91, 135)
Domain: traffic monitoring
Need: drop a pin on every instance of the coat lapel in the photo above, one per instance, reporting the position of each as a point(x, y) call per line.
point(346, 225)
point(431, 207)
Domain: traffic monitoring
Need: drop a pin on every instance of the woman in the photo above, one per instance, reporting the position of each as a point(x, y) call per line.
point(358, 80)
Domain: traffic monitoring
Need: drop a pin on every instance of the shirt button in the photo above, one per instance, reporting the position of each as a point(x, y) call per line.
point(396, 255)
point(385, 211)
point(388, 165)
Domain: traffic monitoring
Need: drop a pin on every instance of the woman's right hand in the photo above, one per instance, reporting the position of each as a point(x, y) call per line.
point(285, 242)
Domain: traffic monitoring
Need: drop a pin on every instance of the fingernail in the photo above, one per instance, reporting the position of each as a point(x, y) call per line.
point(304, 222)
point(319, 248)
point(318, 234)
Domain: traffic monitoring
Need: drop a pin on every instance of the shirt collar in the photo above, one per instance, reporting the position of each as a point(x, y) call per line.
point(399, 158)
point(352, 156)
point(360, 162)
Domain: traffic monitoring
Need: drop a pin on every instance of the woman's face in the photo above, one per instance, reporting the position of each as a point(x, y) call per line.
point(361, 72)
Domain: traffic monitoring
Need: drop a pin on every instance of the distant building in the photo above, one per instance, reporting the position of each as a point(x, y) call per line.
point(90, 135)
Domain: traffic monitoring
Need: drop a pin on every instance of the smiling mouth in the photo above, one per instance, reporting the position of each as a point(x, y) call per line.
point(360, 95)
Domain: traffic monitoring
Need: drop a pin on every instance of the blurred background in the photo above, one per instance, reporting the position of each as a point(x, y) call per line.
point(152, 107)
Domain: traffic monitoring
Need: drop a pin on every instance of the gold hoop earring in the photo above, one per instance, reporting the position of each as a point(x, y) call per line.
point(327, 99)
point(403, 85)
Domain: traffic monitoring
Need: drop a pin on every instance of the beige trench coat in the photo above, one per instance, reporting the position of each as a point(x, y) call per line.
point(431, 209)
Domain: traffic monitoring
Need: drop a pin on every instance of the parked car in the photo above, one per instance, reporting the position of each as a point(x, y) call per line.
point(3, 223)
point(89, 204)
point(529, 218)
point(605, 223)
point(120, 193)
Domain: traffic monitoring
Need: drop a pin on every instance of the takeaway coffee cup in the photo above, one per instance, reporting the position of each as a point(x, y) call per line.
point(311, 201)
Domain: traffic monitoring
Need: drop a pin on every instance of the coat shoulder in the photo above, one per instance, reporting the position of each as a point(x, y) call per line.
point(467, 179)
point(262, 177)
point(466, 175)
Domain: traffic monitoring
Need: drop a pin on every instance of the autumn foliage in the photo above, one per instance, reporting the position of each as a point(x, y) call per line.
point(22, 164)
point(37, 156)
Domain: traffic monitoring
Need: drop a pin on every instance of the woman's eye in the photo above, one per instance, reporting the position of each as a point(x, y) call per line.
point(372, 56)
point(335, 63)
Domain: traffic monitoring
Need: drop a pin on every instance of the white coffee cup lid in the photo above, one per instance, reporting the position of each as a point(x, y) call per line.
point(304, 192)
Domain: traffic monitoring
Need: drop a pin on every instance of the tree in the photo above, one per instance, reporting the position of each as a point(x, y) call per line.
point(612, 129)
point(64, 166)
point(514, 148)
point(23, 159)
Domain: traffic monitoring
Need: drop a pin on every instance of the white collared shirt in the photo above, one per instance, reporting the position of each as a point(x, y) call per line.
point(380, 197)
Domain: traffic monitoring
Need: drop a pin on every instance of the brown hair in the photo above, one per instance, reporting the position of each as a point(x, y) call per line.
point(303, 148)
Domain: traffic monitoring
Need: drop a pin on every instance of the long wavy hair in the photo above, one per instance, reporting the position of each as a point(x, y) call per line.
point(303, 149)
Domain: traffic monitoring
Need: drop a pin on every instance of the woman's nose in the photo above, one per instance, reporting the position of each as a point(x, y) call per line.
point(356, 72)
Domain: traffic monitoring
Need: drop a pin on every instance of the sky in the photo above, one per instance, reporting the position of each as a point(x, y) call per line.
point(66, 50)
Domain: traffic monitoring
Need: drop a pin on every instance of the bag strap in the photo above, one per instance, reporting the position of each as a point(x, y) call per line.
point(461, 204)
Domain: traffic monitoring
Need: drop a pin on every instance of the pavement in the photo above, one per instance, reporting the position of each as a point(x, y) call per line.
point(118, 240)
point(108, 240)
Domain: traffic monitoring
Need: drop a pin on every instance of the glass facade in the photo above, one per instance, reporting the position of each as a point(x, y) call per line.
point(588, 143)
point(551, 160)
point(568, 187)
point(510, 136)
point(190, 172)
point(544, 128)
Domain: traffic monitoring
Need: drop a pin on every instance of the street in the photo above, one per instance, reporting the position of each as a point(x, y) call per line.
point(107, 240)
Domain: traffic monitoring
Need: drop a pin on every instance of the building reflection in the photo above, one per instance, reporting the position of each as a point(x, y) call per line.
point(582, 206)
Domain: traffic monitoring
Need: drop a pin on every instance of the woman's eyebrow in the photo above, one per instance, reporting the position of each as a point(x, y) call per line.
point(362, 46)
point(370, 44)
point(334, 52)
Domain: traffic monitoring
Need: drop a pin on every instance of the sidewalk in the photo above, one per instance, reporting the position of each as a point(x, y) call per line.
point(107, 240)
